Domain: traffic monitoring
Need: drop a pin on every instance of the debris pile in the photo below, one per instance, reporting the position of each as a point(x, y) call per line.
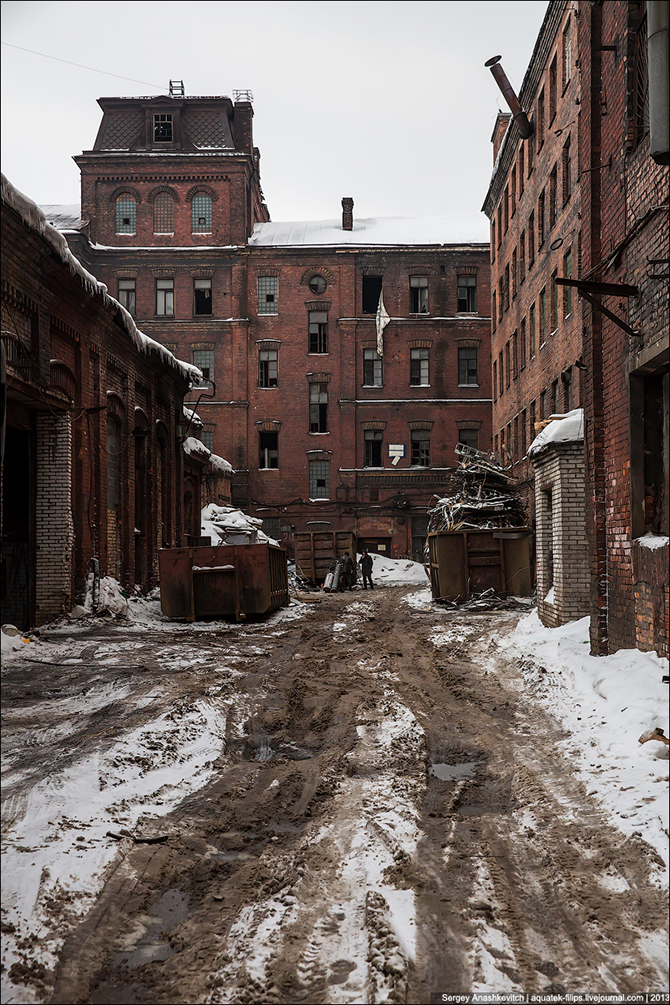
point(229, 525)
point(485, 496)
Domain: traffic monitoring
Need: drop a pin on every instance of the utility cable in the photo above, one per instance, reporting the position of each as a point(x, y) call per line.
point(81, 66)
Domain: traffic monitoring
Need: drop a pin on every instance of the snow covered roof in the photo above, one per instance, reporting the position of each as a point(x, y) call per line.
point(568, 428)
point(385, 231)
point(34, 218)
point(196, 448)
point(67, 217)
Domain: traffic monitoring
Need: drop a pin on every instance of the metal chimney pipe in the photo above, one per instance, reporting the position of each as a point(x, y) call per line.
point(500, 77)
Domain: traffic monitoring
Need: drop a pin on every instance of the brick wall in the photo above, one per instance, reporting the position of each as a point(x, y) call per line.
point(54, 528)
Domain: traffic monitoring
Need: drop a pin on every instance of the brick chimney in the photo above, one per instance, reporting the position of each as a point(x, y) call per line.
point(347, 214)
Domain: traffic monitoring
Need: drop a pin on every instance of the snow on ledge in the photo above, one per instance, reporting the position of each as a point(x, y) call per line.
point(568, 428)
point(652, 541)
point(196, 448)
point(34, 218)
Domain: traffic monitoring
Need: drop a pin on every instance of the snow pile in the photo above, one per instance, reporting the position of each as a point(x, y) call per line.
point(370, 231)
point(568, 428)
point(606, 703)
point(396, 572)
point(104, 597)
point(652, 541)
point(228, 525)
point(12, 640)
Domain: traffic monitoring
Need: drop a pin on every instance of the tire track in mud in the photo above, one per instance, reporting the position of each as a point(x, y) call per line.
point(326, 831)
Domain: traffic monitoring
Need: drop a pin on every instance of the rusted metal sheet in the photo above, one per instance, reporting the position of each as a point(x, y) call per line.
point(315, 550)
point(222, 581)
point(464, 563)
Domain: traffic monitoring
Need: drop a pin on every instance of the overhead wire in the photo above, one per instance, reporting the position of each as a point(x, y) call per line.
point(93, 69)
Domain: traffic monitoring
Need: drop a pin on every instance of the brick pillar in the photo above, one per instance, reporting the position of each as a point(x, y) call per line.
point(54, 528)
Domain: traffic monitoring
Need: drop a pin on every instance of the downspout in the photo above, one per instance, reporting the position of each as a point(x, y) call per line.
point(659, 76)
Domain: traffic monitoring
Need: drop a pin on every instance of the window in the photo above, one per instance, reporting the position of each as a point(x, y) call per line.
point(508, 364)
point(531, 153)
point(493, 240)
point(522, 257)
point(506, 207)
point(567, 172)
point(553, 184)
point(515, 355)
point(543, 404)
point(641, 92)
point(532, 420)
point(163, 127)
point(163, 214)
point(126, 214)
point(467, 294)
point(567, 56)
point(127, 295)
point(522, 430)
point(372, 291)
point(201, 213)
point(268, 295)
point(649, 389)
point(318, 332)
point(419, 367)
point(202, 296)
point(494, 318)
point(543, 316)
point(566, 378)
point(553, 322)
point(268, 449)
point(515, 273)
point(318, 408)
point(467, 367)
point(539, 132)
point(317, 284)
point(531, 239)
point(531, 332)
point(506, 287)
point(165, 297)
point(207, 437)
point(373, 448)
point(567, 290)
point(372, 368)
point(470, 437)
point(521, 169)
point(204, 360)
point(512, 191)
point(540, 220)
point(499, 224)
point(553, 401)
point(501, 298)
point(418, 294)
point(421, 448)
point(319, 478)
point(553, 84)
point(495, 380)
point(515, 441)
point(522, 344)
point(267, 368)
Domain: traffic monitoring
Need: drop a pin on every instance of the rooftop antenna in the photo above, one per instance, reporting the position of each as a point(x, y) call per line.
point(500, 77)
point(177, 89)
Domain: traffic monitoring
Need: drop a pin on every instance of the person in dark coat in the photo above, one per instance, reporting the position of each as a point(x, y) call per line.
point(348, 571)
point(366, 569)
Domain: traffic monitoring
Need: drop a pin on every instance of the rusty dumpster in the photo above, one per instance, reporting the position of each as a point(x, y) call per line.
point(315, 550)
point(464, 563)
point(222, 581)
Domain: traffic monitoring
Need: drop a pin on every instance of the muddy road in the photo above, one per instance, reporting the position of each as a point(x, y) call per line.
point(386, 818)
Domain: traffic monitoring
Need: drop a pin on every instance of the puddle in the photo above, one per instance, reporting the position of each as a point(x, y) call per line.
point(453, 772)
point(169, 911)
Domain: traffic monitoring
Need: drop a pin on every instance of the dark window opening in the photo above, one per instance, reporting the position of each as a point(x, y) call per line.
point(267, 368)
point(419, 368)
point(470, 437)
point(650, 437)
point(421, 448)
point(202, 296)
point(418, 295)
point(318, 332)
point(268, 450)
point(163, 127)
point(318, 408)
point(467, 367)
point(127, 295)
point(373, 448)
point(467, 294)
point(372, 291)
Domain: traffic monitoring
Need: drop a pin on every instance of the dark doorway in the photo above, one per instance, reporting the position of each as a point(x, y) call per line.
point(17, 568)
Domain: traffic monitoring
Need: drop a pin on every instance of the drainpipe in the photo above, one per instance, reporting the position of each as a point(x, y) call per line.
point(659, 110)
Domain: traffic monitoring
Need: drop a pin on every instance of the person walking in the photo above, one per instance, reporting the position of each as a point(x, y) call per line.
point(366, 569)
point(349, 571)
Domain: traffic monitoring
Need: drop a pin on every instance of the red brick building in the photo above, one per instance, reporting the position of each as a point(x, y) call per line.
point(582, 200)
point(319, 425)
point(92, 465)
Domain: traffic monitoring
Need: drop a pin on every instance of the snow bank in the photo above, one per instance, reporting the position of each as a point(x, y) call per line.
point(568, 428)
point(110, 597)
point(12, 640)
point(606, 703)
point(397, 572)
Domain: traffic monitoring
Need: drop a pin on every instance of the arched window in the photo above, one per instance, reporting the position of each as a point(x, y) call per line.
point(163, 214)
point(201, 213)
point(126, 214)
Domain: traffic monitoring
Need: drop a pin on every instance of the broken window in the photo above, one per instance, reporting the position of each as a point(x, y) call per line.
point(201, 213)
point(127, 295)
point(421, 448)
point(470, 437)
point(567, 290)
point(467, 367)
point(318, 332)
point(467, 294)
point(418, 295)
point(204, 360)
point(126, 214)
point(567, 171)
point(540, 220)
point(202, 296)
point(268, 295)
point(531, 239)
point(268, 449)
point(318, 408)
point(372, 291)
point(531, 332)
point(419, 367)
point(372, 368)
point(165, 297)
point(319, 477)
point(553, 84)
point(163, 127)
point(163, 214)
point(267, 368)
point(373, 448)
point(641, 93)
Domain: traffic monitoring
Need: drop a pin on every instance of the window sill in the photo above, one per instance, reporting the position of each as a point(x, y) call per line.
point(469, 385)
point(268, 314)
point(160, 317)
point(261, 387)
point(318, 354)
point(370, 387)
point(268, 469)
point(320, 499)
point(419, 385)
point(314, 433)
point(201, 233)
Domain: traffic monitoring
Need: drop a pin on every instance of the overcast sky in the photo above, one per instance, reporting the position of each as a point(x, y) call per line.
point(389, 103)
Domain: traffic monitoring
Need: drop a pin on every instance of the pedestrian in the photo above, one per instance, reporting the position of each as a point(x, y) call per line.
point(366, 569)
point(349, 571)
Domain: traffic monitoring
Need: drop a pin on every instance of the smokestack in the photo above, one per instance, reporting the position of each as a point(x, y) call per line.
point(347, 214)
point(520, 117)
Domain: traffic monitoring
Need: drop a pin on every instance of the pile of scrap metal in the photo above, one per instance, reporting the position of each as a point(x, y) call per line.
point(484, 497)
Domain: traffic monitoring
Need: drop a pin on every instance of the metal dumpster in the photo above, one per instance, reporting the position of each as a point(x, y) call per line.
point(222, 581)
point(315, 550)
point(467, 562)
